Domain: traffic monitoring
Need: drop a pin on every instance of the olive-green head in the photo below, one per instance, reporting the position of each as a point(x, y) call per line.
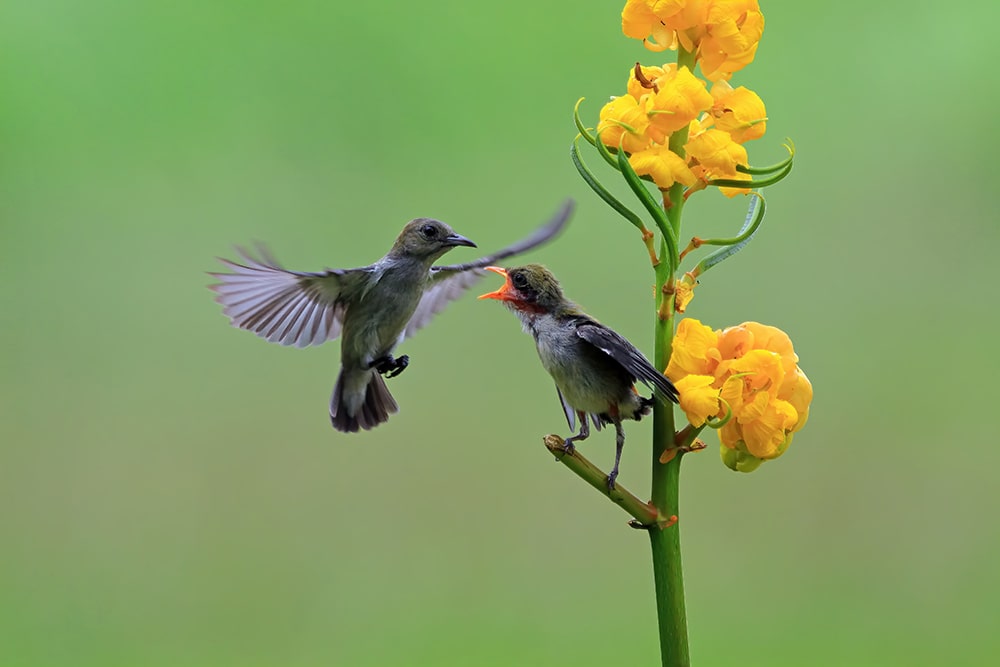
point(530, 288)
point(427, 239)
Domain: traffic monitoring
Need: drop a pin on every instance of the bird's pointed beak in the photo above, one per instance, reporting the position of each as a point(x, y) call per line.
point(502, 294)
point(457, 239)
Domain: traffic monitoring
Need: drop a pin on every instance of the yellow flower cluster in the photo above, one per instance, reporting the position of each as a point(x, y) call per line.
point(750, 370)
point(723, 34)
point(664, 100)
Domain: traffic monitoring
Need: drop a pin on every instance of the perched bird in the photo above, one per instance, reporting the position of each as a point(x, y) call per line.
point(372, 308)
point(595, 368)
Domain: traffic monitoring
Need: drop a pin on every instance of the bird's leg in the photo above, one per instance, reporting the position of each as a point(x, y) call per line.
point(619, 445)
point(582, 435)
point(390, 366)
point(400, 366)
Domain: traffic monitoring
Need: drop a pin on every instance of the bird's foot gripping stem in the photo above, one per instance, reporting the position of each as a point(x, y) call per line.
point(568, 447)
point(390, 366)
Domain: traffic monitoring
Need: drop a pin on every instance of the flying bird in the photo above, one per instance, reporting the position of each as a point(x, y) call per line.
point(595, 368)
point(372, 308)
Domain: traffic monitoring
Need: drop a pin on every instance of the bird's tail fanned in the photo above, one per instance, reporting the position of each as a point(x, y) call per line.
point(360, 401)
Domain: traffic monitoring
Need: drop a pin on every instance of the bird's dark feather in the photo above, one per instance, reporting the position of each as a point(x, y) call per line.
point(632, 360)
point(450, 281)
point(541, 235)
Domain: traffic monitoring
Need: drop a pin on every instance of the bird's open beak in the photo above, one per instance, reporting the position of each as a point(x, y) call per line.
point(458, 239)
point(502, 294)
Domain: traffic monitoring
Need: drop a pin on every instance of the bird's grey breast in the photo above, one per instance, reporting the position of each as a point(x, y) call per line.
point(588, 379)
point(557, 344)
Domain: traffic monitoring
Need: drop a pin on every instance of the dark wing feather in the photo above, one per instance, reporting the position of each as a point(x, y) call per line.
point(450, 282)
point(286, 307)
point(540, 236)
point(570, 412)
point(615, 346)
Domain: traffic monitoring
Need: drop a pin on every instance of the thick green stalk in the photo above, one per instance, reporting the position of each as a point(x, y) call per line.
point(666, 543)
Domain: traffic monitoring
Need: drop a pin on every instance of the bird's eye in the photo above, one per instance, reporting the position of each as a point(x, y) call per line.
point(519, 280)
point(429, 231)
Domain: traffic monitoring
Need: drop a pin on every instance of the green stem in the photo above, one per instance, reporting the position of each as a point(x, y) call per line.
point(666, 544)
point(645, 515)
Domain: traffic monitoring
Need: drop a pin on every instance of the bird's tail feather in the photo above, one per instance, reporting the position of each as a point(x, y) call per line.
point(360, 407)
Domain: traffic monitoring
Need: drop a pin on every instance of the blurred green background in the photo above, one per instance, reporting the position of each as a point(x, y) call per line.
point(171, 492)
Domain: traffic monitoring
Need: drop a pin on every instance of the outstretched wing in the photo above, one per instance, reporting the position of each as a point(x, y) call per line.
point(541, 235)
point(442, 290)
point(615, 346)
point(286, 307)
point(450, 282)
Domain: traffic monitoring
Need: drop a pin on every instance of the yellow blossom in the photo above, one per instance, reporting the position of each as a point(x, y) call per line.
point(733, 29)
point(644, 19)
point(738, 111)
point(798, 391)
point(693, 348)
point(698, 398)
point(653, 75)
point(754, 373)
point(663, 165)
point(740, 340)
point(716, 153)
point(623, 123)
point(723, 34)
point(679, 100)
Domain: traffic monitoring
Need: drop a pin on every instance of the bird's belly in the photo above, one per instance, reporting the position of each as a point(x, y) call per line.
point(379, 325)
point(585, 385)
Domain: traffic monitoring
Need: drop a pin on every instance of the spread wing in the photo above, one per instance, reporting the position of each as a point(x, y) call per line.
point(450, 282)
point(615, 346)
point(442, 290)
point(540, 236)
point(286, 307)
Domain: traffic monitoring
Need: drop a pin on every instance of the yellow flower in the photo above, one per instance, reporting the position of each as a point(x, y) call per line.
point(663, 165)
point(717, 154)
point(623, 123)
point(698, 398)
point(753, 371)
point(723, 34)
point(798, 391)
point(647, 20)
point(653, 75)
point(679, 100)
point(695, 350)
point(739, 111)
point(733, 29)
point(740, 340)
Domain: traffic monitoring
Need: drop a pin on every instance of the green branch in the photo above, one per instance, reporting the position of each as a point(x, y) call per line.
point(668, 576)
point(645, 515)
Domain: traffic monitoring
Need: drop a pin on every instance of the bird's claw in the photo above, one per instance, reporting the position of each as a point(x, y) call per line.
point(611, 480)
point(390, 366)
point(568, 447)
point(400, 366)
